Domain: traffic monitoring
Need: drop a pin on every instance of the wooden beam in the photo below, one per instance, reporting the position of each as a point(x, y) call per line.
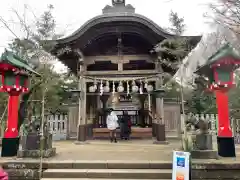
point(115, 59)
point(125, 72)
point(123, 79)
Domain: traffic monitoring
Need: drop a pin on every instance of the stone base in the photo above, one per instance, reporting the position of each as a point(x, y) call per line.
point(226, 146)
point(160, 132)
point(9, 147)
point(204, 154)
point(160, 142)
point(81, 142)
point(36, 153)
point(204, 142)
point(81, 134)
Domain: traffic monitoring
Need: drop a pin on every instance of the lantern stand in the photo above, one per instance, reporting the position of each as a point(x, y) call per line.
point(160, 126)
point(219, 70)
point(14, 80)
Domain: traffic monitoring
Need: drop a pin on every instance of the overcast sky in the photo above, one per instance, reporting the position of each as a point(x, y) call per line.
point(71, 14)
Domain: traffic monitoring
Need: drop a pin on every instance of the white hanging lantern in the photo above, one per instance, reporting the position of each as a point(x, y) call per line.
point(92, 89)
point(149, 88)
point(106, 88)
point(134, 87)
point(120, 87)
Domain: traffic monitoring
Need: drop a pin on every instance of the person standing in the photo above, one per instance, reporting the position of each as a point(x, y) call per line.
point(112, 125)
point(125, 126)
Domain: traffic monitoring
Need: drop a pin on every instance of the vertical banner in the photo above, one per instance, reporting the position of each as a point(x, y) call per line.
point(180, 170)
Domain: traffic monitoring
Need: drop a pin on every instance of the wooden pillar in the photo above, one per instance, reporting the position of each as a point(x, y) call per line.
point(159, 102)
point(82, 121)
point(160, 123)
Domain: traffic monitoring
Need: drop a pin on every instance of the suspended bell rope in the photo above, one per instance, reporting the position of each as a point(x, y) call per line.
point(101, 88)
point(128, 88)
point(120, 88)
point(114, 79)
point(113, 91)
point(141, 89)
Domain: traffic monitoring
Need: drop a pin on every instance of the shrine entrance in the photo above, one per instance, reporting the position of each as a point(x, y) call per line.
point(120, 100)
point(113, 55)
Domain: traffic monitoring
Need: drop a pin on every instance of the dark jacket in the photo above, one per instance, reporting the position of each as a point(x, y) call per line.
point(125, 126)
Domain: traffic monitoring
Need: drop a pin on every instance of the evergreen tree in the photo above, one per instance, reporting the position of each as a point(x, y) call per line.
point(177, 23)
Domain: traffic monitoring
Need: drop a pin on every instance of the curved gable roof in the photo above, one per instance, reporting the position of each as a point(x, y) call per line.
point(116, 14)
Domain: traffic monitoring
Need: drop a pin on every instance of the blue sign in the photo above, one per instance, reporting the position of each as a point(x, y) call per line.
point(180, 161)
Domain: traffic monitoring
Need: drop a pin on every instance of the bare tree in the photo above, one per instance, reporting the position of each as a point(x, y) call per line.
point(227, 13)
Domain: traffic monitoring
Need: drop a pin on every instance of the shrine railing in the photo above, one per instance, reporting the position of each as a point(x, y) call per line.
point(212, 119)
point(57, 125)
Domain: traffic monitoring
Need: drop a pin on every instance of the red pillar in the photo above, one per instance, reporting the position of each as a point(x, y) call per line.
point(224, 128)
point(12, 122)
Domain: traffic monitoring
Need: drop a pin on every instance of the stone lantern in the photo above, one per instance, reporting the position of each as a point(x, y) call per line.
point(219, 71)
point(159, 122)
point(14, 80)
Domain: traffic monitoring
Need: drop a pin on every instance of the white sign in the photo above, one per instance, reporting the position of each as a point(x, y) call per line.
point(180, 169)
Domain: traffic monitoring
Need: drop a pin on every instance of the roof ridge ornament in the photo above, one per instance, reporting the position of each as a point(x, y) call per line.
point(118, 6)
point(118, 2)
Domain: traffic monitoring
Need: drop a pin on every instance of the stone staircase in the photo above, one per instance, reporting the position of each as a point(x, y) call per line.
point(108, 170)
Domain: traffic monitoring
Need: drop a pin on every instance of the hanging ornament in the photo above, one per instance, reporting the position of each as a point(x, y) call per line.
point(101, 88)
point(95, 84)
point(120, 87)
point(149, 88)
point(128, 88)
point(114, 90)
point(141, 88)
point(106, 88)
point(146, 84)
point(91, 89)
point(134, 87)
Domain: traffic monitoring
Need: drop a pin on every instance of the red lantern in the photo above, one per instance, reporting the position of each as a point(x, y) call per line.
point(219, 71)
point(14, 80)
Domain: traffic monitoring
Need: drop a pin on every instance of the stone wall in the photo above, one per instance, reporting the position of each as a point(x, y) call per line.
point(29, 169)
point(216, 170)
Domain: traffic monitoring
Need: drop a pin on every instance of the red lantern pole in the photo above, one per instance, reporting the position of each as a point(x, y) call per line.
point(224, 128)
point(12, 122)
point(10, 141)
point(225, 138)
point(14, 73)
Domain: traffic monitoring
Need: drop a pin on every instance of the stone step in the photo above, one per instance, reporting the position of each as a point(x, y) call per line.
point(91, 179)
point(109, 173)
point(107, 165)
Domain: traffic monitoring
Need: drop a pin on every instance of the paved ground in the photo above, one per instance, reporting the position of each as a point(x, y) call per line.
point(135, 150)
point(104, 150)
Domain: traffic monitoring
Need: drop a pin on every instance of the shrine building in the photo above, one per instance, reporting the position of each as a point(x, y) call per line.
point(114, 59)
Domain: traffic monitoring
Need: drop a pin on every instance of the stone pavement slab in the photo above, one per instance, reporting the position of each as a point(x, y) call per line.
point(123, 151)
